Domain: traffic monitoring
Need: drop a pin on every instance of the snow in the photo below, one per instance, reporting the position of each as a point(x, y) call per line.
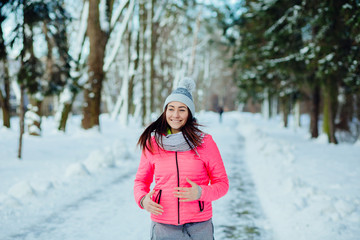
point(80, 32)
point(304, 50)
point(78, 184)
point(120, 34)
point(65, 96)
point(327, 58)
point(309, 189)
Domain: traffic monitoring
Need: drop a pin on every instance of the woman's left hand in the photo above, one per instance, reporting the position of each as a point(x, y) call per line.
point(187, 194)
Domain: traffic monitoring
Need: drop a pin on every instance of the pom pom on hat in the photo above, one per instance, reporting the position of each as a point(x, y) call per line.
point(183, 94)
point(188, 84)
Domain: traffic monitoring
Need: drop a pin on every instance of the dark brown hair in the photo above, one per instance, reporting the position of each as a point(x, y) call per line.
point(160, 127)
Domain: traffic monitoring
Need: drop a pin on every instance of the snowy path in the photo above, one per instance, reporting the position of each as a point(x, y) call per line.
point(238, 215)
point(101, 206)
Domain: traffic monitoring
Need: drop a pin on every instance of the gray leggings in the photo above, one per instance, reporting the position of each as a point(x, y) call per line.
point(188, 231)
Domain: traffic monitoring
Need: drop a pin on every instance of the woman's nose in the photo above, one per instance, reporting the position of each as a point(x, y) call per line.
point(176, 113)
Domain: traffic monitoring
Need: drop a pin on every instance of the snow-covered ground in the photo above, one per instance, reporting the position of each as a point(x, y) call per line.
point(309, 189)
point(78, 184)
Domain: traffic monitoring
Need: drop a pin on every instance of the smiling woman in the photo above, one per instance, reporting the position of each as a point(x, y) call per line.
point(176, 116)
point(188, 169)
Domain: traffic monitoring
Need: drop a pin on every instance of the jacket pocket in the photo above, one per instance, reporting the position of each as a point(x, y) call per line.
point(158, 197)
point(201, 206)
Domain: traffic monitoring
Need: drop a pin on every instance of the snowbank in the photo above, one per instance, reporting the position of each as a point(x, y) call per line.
point(56, 160)
point(309, 189)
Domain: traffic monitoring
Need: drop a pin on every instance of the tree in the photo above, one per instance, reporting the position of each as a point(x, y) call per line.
point(5, 90)
point(56, 74)
point(286, 44)
point(30, 76)
point(335, 45)
point(30, 67)
point(69, 93)
point(98, 37)
point(92, 90)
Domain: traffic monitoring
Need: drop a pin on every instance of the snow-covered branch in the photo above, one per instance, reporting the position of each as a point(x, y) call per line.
point(109, 60)
point(117, 13)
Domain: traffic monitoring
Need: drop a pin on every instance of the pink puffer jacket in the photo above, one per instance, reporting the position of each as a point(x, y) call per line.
point(171, 170)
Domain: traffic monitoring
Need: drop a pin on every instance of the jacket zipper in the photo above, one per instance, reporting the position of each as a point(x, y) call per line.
point(178, 183)
point(201, 206)
point(158, 197)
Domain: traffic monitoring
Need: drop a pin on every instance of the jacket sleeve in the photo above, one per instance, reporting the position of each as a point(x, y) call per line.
point(143, 178)
point(219, 182)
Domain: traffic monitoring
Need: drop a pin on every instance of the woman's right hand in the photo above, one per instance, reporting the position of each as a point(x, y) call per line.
point(151, 206)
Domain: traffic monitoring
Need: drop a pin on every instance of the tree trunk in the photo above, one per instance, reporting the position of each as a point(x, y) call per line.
point(36, 109)
point(285, 109)
point(271, 103)
point(22, 88)
point(124, 92)
point(5, 106)
point(131, 106)
point(314, 112)
point(265, 108)
point(142, 31)
point(346, 112)
point(67, 106)
point(357, 113)
point(193, 52)
point(274, 105)
point(81, 36)
point(64, 116)
point(297, 114)
point(332, 113)
point(92, 89)
point(151, 25)
point(330, 106)
point(5, 96)
point(21, 119)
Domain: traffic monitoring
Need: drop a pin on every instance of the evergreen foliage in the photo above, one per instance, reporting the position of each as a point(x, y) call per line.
point(289, 48)
point(32, 16)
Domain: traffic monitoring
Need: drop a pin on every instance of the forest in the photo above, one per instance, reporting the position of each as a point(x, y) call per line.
point(123, 57)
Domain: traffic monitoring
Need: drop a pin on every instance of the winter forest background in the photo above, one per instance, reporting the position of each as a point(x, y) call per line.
point(123, 57)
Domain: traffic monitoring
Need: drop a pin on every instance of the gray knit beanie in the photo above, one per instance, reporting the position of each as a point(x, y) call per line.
point(183, 94)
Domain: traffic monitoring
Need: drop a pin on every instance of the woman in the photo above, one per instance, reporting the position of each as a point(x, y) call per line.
point(188, 169)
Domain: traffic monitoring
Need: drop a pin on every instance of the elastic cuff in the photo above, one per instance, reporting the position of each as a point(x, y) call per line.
point(199, 192)
point(141, 201)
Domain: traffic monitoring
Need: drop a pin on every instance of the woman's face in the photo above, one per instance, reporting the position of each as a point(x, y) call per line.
point(176, 116)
